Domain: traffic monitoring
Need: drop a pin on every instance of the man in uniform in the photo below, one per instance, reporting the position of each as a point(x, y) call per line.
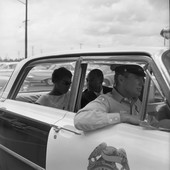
point(122, 105)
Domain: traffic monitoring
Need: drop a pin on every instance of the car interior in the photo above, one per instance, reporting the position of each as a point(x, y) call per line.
point(35, 84)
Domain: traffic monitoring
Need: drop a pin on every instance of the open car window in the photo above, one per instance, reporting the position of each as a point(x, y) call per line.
point(38, 80)
point(155, 92)
point(157, 108)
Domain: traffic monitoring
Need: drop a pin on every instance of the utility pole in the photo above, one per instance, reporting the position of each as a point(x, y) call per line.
point(26, 25)
point(99, 45)
point(81, 44)
point(26, 33)
point(41, 51)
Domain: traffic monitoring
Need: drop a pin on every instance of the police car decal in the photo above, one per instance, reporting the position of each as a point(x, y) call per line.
point(106, 157)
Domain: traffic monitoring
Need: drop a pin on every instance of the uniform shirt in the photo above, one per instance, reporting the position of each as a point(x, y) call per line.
point(60, 102)
point(105, 110)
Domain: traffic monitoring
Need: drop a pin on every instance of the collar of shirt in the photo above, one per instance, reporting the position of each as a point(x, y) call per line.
point(131, 102)
point(117, 96)
point(98, 94)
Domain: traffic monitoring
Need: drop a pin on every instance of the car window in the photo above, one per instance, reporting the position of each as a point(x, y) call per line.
point(155, 93)
point(157, 108)
point(107, 73)
point(38, 81)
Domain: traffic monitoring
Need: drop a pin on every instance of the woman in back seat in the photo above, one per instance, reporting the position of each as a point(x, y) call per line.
point(59, 96)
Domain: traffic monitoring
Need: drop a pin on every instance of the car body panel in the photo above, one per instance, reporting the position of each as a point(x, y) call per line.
point(18, 134)
point(33, 111)
point(146, 149)
point(32, 125)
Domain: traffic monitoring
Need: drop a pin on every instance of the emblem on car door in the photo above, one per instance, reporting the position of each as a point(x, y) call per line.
point(106, 157)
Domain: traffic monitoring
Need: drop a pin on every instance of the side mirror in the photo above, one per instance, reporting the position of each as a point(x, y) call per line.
point(165, 32)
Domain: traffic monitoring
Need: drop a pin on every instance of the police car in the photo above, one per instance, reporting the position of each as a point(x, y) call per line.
point(44, 138)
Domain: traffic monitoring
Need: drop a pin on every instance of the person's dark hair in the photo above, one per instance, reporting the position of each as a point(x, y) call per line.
point(60, 73)
point(95, 73)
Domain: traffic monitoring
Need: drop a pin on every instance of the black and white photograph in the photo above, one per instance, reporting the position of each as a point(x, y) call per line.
point(84, 85)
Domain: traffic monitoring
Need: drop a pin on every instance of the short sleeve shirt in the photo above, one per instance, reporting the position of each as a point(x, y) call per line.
point(60, 102)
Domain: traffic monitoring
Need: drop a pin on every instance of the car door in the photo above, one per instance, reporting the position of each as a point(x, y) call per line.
point(23, 141)
point(122, 146)
point(24, 131)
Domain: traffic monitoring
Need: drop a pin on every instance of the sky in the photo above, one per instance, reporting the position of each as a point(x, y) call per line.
point(80, 24)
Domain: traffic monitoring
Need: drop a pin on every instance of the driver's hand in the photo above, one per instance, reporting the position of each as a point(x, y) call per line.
point(126, 118)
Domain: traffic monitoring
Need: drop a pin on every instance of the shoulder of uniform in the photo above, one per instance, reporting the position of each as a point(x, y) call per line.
point(103, 97)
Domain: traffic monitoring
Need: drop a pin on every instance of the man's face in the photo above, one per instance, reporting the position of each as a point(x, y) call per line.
point(133, 85)
point(95, 84)
point(63, 85)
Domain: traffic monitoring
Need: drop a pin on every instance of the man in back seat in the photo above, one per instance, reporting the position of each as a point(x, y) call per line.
point(59, 96)
point(94, 87)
